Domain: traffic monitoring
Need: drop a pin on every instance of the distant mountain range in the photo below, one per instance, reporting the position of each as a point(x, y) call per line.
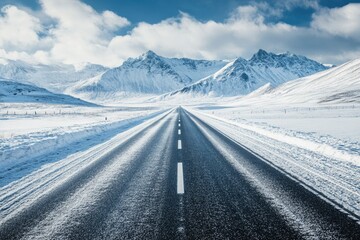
point(147, 74)
point(55, 78)
point(15, 92)
point(154, 75)
point(337, 85)
point(241, 76)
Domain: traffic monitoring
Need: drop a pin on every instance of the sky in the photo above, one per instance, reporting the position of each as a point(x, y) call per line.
point(108, 32)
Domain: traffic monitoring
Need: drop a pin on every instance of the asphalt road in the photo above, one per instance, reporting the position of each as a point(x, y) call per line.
point(177, 178)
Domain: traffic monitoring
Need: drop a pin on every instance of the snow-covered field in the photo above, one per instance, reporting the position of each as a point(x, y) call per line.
point(317, 145)
point(338, 121)
point(29, 140)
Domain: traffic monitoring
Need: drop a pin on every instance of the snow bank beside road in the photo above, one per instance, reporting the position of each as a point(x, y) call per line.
point(331, 171)
point(21, 148)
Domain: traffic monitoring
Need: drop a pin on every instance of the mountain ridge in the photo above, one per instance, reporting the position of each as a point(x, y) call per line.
point(154, 75)
point(15, 92)
point(148, 74)
point(242, 76)
point(54, 78)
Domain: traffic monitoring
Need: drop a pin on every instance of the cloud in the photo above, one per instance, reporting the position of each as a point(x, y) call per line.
point(278, 8)
point(187, 37)
point(241, 35)
point(291, 4)
point(113, 21)
point(69, 32)
point(81, 34)
point(248, 13)
point(344, 21)
point(74, 32)
point(19, 30)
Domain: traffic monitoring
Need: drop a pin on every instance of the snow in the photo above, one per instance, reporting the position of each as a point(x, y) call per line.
point(55, 78)
point(338, 85)
point(150, 75)
point(147, 74)
point(241, 76)
point(26, 137)
point(11, 91)
point(347, 128)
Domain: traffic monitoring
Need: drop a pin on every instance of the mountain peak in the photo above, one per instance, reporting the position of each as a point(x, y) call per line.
point(263, 57)
point(240, 60)
point(288, 53)
point(149, 54)
point(261, 54)
point(147, 58)
point(243, 76)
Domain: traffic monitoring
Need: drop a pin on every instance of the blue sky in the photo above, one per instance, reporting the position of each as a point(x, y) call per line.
point(109, 31)
point(153, 11)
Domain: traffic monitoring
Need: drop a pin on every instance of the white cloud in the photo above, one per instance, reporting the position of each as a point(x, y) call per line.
point(247, 13)
point(278, 8)
point(15, 55)
point(69, 32)
point(344, 21)
point(81, 33)
point(113, 21)
point(74, 32)
point(291, 4)
point(241, 35)
point(19, 30)
point(188, 37)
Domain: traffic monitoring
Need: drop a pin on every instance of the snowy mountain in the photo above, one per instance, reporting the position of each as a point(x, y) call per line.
point(243, 76)
point(147, 74)
point(151, 74)
point(18, 92)
point(336, 85)
point(15, 70)
point(52, 77)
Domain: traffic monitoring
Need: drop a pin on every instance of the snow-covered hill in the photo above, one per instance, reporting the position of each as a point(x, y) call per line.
point(336, 85)
point(147, 74)
point(52, 77)
point(18, 92)
point(243, 76)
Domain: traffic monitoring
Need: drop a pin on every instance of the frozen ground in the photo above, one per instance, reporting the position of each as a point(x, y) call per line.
point(319, 145)
point(346, 128)
point(19, 118)
point(29, 140)
point(338, 121)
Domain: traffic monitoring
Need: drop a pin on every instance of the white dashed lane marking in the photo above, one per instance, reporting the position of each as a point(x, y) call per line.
point(179, 144)
point(180, 179)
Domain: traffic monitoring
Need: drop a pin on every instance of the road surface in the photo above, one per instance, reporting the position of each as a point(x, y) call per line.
point(174, 177)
